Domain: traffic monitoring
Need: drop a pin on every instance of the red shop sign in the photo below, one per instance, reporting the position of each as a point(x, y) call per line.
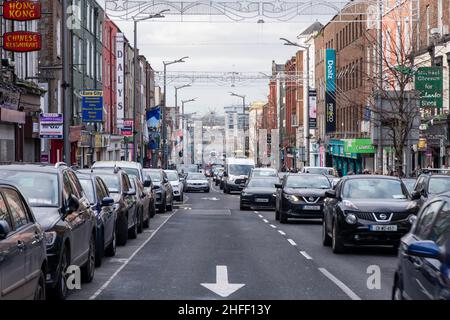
point(22, 41)
point(21, 10)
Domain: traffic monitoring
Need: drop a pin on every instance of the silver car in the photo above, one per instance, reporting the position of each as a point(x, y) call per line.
point(177, 184)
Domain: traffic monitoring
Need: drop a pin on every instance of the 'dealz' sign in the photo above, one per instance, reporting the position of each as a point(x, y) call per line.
point(429, 84)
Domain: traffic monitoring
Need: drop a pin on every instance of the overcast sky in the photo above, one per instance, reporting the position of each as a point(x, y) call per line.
point(214, 47)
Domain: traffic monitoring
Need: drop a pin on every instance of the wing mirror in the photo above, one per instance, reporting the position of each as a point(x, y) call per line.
point(330, 193)
point(5, 229)
point(147, 183)
point(415, 195)
point(278, 185)
point(107, 201)
point(425, 249)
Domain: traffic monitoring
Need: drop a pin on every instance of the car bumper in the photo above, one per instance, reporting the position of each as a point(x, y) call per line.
point(256, 201)
point(303, 210)
point(197, 187)
point(158, 198)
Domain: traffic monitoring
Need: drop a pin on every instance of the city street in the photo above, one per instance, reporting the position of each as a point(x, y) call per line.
point(208, 236)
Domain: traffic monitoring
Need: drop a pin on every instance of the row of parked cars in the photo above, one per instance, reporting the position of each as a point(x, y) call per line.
point(413, 216)
point(54, 216)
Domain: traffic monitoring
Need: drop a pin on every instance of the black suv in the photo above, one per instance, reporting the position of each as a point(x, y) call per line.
point(431, 183)
point(62, 209)
point(121, 190)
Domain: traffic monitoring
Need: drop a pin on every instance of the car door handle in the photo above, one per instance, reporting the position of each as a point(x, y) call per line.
point(20, 245)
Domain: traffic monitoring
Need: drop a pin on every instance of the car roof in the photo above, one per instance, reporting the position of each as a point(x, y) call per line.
point(264, 169)
point(33, 167)
point(124, 164)
point(371, 176)
point(174, 171)
point(83, 175)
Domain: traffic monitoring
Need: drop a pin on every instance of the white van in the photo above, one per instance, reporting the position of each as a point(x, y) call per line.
point(237, 171)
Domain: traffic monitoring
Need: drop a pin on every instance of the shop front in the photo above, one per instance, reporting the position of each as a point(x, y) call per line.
point(351, 155)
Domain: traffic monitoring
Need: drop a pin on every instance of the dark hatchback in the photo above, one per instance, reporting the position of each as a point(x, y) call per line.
point(431, 184)
point(301, 196)
point(423, 271)
point(103, 205)
point(259, 193)
point(367, 210)
point(62, 209)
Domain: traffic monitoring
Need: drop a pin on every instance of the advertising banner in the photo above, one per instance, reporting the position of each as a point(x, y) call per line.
point(127, 128)
point(330, 90)
point(120, 74)
point(312, 109)
point(22, 41)
point(92, 106)
point(429, 84)
point(51, 126)
point(358, 146)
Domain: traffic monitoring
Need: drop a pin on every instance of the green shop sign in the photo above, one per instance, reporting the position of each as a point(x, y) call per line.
point(429, 84)
point(358, 146)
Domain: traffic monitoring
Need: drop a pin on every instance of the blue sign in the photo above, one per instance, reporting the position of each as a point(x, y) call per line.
point(92, 106)
point(153, 118)
point(330, 90)
point(330, 70)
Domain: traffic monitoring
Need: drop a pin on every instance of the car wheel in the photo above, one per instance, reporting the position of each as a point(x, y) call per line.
point(283, 218)
point(153, 210)
point(132, 233)
point(170, 206)
point(242, 208)
point(221, 186)
point(122, 231)
point(163, 207)
point(397, 293)
point(39, 294)
point(110, 250)
point(100, 248)
point(336, 243)
point(277, 215)
point(207, 190)
point(140, 218)
point(326, 239)
point(59, 292)
point(147, 221)
point(88, 270)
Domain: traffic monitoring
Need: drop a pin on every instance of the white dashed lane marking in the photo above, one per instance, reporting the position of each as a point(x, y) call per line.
point(307, 256)
point(282, 232)
point(266, 221)
point(292, 242)
point(340, 284)
point(273, 226)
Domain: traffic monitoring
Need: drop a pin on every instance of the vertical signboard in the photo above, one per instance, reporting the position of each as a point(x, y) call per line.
point(92, 106)
point(120, 74)
point(312, 109)
point(429, 84)
point(330, 90)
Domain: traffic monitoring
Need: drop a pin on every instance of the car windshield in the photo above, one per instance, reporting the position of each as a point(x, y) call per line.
point(155, 176)
point(439, 185)
point(262, 183)
point(132, 172)
point(88, 188)
point(326, 171)
point(196, 176)
point(265, 173)
point(308, 182)
point(111, 181)
point(172, 176)
point(40, 189)
point(240, 169)
point(373, 189)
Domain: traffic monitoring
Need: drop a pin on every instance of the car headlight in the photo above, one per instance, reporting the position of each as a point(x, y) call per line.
point(351, 218)
point(49, 237)
point(274, 195)
point(292, 197)
point(350, 204)
point(412, 205)
point(412, 218)
point(245, 194)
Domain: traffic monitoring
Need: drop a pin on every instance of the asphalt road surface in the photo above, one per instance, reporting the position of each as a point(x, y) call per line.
point(208, 249)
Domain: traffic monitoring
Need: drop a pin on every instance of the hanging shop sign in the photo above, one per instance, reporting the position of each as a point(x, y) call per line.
point(120, 78)
point(312, 109)
point(22, 41)
point(429, 84)
point(127, 129)
point(92, 105)
point(330, 90)
point(51, 126)
point(21, 10)
point(358, 146)
point(422, 144)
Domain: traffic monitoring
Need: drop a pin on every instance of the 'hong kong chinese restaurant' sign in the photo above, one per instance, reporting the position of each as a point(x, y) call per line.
point(21, 10)
point(22, 41)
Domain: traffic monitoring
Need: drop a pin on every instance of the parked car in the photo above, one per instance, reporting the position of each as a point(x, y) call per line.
point(133, 169)
point(177, 184)
point(424, 255)
point(23, 258)
point(328, 171)
point(301, 195)
point(144, 204)
point(103, 205)
point(119, 187)
point(162, 187)
point(259, 193)
point(64, 212)
point(367, 210)
point(429, 185)
point(197, 182)
point(264, 172)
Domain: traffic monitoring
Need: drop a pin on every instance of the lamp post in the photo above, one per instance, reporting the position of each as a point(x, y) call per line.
point(183, 102)
point(179, 123)
point(243, 111)
point(136, 70)
point(163, 111)
point(306, 84)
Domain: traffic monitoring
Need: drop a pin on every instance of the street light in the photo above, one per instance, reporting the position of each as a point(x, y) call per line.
point(306, 122)
point(135, 61)
point(183, 102)
point(176, 93)
point(163, 111)
point(243, 111)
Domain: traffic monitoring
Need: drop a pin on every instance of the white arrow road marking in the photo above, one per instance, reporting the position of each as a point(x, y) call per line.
point(213, 199)
point(222, 287)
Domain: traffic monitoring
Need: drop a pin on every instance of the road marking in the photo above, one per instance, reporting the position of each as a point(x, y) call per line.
point(282, 232)
point(307, 256)
point(256, 212)
point(266, 221)
point(260, 216)
point(273, 226)
point(106, 284)
point(291, 242)
point(340, 284)
point(222, 287)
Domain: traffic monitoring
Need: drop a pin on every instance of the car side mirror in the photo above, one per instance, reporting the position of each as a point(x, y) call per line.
point(415, 195)
point(425, 249)
point(107, 201)
point(278, 185)
point(5, 229)
point(72, 205)
point(181, 179)
point(330, 193)
point(147, 183)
